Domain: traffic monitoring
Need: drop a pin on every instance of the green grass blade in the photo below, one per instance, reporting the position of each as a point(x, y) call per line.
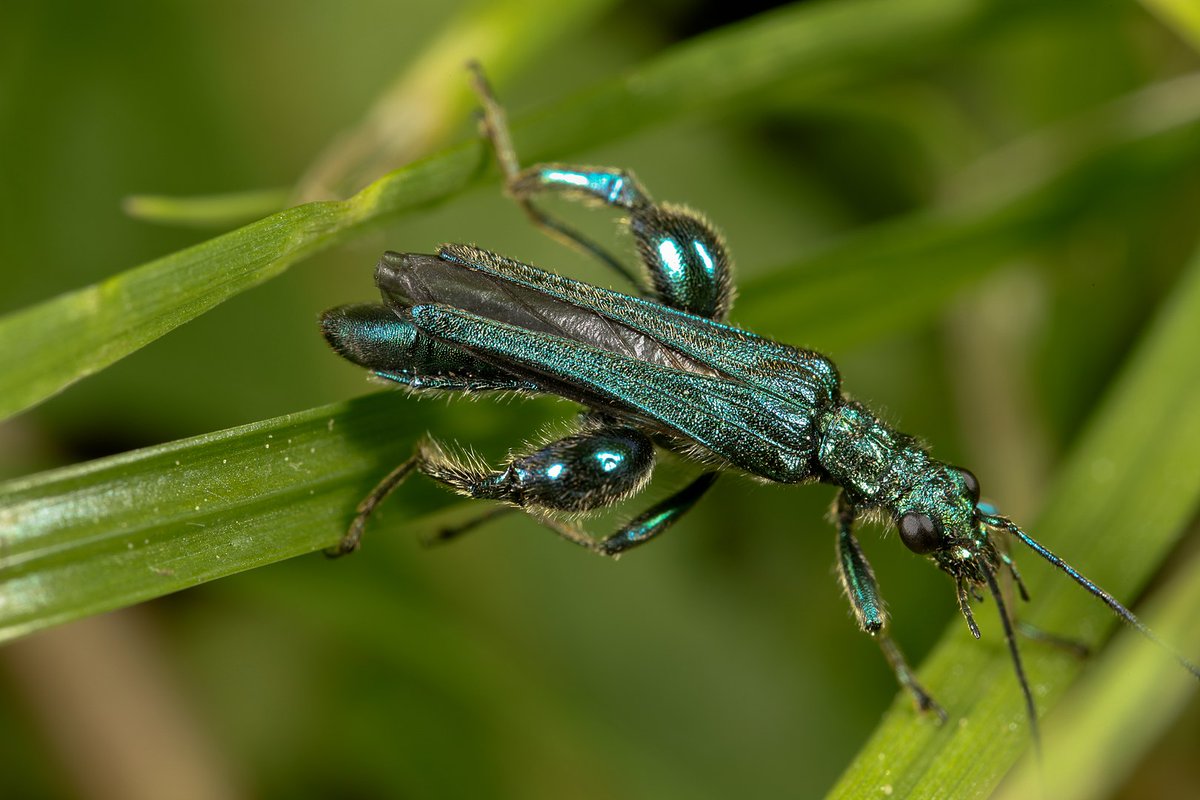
point(502, 35)
point(47, 347)
point(112, 532)
point(217, 211)
point(902, 273)
point(1182, 16)
point(1121, 502)
point(1120, 707)
point(431, 98)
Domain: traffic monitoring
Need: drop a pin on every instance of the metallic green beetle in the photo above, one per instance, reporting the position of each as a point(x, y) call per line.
point(664, 370)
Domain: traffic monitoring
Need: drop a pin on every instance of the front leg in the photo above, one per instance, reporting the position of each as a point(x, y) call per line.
point(858, 581)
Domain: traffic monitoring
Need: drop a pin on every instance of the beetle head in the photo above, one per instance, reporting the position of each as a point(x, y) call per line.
point(939, 517)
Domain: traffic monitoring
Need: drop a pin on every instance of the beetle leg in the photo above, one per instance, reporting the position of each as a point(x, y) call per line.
point(858, 581)
point(646, 526)
point(353, 536)
point(452, 532)
point(1068, 645)
point(581, 472)
point(494, 126)
point(686, 258)
point(658, 517)
point(599, 466)
point(683, 254)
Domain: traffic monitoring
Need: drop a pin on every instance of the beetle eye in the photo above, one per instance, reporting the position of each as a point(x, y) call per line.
point(918, 532)
point(972, 484)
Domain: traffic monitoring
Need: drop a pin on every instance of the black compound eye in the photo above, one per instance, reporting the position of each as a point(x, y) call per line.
point(972, 484)
point(918, 532)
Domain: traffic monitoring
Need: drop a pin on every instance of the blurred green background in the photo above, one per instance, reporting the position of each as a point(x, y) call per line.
point(719, 662)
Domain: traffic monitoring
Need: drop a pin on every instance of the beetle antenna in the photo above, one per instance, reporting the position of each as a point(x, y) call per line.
point(1011, 638)
point(1110, 601)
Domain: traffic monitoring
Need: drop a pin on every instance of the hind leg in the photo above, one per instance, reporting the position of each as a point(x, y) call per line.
point(682, 254)
point(646, 526)
point(597, 467)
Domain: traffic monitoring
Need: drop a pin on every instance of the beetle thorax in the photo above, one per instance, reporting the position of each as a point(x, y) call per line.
point(872, 461)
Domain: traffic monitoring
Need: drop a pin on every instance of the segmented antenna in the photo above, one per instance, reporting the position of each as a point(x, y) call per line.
point(1011, 638)
point(1110, 601)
